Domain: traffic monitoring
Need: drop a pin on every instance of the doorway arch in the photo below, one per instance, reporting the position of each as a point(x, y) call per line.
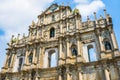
point(51, 57)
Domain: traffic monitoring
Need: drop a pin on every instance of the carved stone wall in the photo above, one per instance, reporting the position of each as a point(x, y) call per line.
point(71, 40)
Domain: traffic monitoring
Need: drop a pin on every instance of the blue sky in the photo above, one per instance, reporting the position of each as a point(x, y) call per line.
point(17, 15)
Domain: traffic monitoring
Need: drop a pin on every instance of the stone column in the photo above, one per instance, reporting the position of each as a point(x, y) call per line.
point(34, 55)
point(26, 56)
point(42, 31)
point(37, 37)
point(68, 74)
point(77, 22)
point(68, 46)
point(67, 29)
point(100, 41)
point(59, 75)
point(44, 19)
point(116, 70)
point(61, 13)
point(12, 60)
point(114, 42)
point(78, 44)
point(102, 48)
point(80, 76)
point(29, 76)
point(60, 51)
point(41, 58)
point(38, 58)
point(60, 48)
point(67, 11)
point(30, 34)
point(114, 39)
point(79, 49)
point(102, 73)
point(61, 25)
point(37, 76)
point(107, 77)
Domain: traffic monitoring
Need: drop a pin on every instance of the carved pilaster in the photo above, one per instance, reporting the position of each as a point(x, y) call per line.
point(37, 36)
point(67, 29)
point(100, 73)
point(77, 23)
point(80, 76)
point(61, 27)
point(68, 46)
point(100, 40)
point(26, 54)
point(107, 74)
point(78, 43)
point(116, 71)
point(79, 48)
point(60, 74)
point(114, 41)
point(61, 13)
point(68, 50)
point(37, 75)
point(113, 38)
point(60, 52)
point(29, 76)
point(67, 11)
point(106, 71)
point(34, 54)
point(68, 74)
point(12, 60)
point(41, 56)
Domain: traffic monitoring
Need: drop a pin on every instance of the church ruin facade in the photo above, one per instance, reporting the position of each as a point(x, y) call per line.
point(60, 46)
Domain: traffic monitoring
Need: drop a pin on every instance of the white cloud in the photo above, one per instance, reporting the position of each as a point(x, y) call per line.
point(87, 7)
point(81, 1)
point(16, 16)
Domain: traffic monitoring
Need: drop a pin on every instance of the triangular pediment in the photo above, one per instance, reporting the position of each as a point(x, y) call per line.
point(52, 8)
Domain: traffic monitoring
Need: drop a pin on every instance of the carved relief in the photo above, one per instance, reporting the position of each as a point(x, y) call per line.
point(72, 45)
point(20, 52)
point(64, 14)
point(88, 36)
point(40, 32)
point(57, 16)
point(45, 37)
point(73, 40)
point(91, 24)
point(105, 34)
point(64, 46)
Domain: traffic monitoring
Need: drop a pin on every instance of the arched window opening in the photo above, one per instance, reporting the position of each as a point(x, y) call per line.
point(107, 45)
point(30, 58)
point(53, 17)
point(52, 58)
point(91, 53)
point(52, 32)
point(20, 64)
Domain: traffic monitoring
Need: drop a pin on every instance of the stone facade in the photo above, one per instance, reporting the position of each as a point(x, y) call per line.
point(62, 47)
